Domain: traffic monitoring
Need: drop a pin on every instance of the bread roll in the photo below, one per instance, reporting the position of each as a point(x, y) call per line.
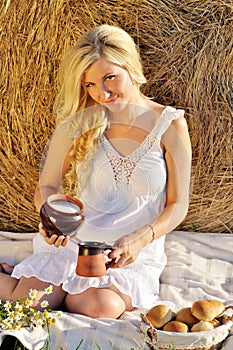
point(203, 310)
point(176, 326)
point(219, 307)
point(159, 315)
point(207, 310)
point(215, 323)
point(201, 326)
point(185, 315)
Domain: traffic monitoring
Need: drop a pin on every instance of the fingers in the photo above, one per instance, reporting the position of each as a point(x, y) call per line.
point(122, 258)
point(42, 230)
point(123, 261)
point(65, 240)
point(115, 254)
point(56, 240)
point(119, 263)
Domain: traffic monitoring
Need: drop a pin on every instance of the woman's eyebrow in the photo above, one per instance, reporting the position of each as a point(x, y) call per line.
point(105, 75)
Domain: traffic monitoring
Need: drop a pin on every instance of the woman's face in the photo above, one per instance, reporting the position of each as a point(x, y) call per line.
point(109, 84)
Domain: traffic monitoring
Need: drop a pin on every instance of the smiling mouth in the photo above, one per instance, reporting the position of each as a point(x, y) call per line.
point(113, 100)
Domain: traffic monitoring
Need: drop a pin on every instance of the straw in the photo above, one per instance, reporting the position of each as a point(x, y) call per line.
point(187, 51)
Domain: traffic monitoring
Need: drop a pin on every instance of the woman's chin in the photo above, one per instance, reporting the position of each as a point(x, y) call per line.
point(116, 107)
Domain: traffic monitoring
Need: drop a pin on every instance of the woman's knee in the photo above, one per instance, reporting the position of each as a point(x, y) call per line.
point(108, 304)
point(96, 303)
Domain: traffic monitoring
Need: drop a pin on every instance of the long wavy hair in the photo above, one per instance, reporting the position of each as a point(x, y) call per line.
point(73, 107)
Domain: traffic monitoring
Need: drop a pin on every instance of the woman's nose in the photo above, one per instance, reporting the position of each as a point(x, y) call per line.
point(104, 92)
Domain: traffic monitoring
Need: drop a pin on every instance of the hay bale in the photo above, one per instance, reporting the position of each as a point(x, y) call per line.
point(187, 50)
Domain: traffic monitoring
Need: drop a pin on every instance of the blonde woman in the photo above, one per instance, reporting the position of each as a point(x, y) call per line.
point(128, 159)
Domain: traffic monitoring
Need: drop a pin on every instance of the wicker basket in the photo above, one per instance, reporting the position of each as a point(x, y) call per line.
point(205, 340)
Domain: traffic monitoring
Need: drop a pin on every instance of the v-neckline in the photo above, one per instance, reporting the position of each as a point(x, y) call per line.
point(137, 149)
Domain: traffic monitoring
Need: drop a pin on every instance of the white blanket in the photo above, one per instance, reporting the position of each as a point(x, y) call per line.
point(199, 266)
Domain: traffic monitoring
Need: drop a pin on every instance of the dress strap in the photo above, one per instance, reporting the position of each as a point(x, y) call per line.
point(168, 115)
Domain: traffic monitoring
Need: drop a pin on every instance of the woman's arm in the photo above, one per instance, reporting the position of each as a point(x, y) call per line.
point(56, 165)
point(178, 160)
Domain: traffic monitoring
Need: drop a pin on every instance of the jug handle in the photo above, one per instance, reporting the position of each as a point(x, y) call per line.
point(109, 263)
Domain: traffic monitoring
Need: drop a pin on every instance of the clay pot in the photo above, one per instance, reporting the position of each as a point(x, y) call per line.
point(62, 215)
point(91, 261)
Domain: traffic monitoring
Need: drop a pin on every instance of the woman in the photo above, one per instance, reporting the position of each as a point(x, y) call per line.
point(128, 159)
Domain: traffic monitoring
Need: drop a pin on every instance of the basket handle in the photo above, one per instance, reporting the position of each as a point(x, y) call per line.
point(151, 331)
point(228, 317)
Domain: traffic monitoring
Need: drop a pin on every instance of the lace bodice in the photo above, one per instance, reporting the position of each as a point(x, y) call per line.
point(123, 166)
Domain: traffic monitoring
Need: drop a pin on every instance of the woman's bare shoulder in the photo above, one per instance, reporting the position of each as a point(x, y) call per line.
point(155, 106)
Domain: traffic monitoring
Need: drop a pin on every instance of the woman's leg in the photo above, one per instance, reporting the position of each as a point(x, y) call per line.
point(6, 268)
point(99, 302)
point(12, 289)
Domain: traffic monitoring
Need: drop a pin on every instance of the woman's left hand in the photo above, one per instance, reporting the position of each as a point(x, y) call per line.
point(129, 246)
point(55, 240)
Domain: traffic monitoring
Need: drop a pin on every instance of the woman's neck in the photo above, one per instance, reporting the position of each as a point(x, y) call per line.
point(129, 113)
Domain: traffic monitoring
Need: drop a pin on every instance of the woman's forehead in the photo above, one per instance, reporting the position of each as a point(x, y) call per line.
point(100, 68)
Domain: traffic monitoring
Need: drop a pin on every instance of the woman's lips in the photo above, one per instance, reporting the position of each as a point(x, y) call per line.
point(113, 100)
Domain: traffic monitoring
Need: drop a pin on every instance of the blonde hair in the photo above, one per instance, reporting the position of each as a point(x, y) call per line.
point(116, 46)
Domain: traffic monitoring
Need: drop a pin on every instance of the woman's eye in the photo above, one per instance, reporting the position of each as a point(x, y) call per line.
point(110, 77)
point(87, 85)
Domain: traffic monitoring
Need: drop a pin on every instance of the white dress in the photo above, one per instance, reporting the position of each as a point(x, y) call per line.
point(123, 194)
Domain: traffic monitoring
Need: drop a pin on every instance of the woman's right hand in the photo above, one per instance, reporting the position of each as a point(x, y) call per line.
point(55, 240)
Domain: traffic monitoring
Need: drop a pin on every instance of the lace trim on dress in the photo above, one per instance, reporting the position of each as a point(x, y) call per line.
point(123, 166)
